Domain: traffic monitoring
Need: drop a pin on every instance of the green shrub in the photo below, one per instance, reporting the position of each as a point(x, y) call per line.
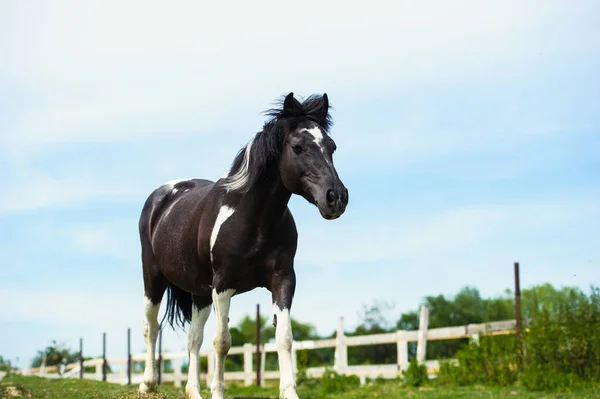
point(561, 348)
point(333, 382)
point(415, 375)
point(491, 361)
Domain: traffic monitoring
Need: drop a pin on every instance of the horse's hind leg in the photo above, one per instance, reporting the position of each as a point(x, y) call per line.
point(200, 313)
point(154, 289)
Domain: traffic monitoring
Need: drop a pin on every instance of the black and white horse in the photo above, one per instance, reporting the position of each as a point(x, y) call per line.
point(204, 242)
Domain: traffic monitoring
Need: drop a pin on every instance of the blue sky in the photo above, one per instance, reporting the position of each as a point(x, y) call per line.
point(467, 133)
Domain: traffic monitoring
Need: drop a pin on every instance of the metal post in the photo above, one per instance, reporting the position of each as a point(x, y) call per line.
point(160, 359)
point(81, 369)
point(258, 345)
point(104, 356)
point(518, 312)
point(129, 356)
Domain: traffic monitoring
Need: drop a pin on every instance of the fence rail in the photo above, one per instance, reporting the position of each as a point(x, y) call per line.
point(341, 343)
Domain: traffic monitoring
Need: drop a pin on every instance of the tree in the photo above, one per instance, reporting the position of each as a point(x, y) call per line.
point(5, 364)
point(55, 353)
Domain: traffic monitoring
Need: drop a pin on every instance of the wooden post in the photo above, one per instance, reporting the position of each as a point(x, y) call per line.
point(211, 367)
point(518, 313)
point(177, 374)
point(160, 359)
point(43, 366)
point(402, 350)
point(258, 381)
point(129, 363)
point(247, 364)
point(422, 340)
point(341, 351)
point(104, 356)
point(81, 368)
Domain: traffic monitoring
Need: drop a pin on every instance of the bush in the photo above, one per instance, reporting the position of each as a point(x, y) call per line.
point(491, 361)
point(333, 382)
point(561, 349)
point(415, 375)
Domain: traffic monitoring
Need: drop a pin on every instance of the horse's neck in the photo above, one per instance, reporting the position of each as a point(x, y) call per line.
point(267, 200)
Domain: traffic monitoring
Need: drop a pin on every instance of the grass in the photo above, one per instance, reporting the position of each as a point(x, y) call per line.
point(38, 387)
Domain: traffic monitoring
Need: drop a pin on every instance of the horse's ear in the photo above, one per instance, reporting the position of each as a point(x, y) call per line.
point(291, 106)
point(325, 104)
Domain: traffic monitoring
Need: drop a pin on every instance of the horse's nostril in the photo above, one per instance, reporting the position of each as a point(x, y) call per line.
point(331, 197)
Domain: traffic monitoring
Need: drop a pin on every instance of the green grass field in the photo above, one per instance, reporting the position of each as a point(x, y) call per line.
point(37, 387)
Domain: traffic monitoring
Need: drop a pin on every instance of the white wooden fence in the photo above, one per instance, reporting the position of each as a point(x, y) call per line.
point(341, 343)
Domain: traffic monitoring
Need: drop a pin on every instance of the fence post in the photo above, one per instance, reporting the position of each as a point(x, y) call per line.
point(402, 350)
point(104, 356)
point(247, 364)
point(263, 362)
point(81, 368)
point(294, 358)
point(518, 316)
point(422, 340)
point(43, 366)
point(210, 367)
point(341, 352)
point(160, 359)
point(177, 374)
point(258, 362)
point(129, 356)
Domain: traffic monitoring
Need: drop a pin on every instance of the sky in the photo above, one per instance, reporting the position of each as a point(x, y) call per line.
point(468, 135)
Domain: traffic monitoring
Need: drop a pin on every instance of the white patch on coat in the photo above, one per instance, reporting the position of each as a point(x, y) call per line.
point(195, 338)
point(222, 341)
point(151, 328)
point(224, 213)
point(283, 341)
point(170, 185)
point(240, 179)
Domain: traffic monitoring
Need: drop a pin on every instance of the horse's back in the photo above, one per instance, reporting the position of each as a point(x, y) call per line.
point(163, 198)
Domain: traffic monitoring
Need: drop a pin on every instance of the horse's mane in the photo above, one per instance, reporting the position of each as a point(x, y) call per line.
point(265, 148)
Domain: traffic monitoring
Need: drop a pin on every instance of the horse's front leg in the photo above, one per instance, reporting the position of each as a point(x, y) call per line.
point(283, 294)
point(222, 341)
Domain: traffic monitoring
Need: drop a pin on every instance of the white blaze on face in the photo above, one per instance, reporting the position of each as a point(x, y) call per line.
point(224, 213)
point(317, 134)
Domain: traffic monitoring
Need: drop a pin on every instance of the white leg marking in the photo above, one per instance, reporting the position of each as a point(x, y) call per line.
point(283, 340)
point(224, 213)
point(195, 338)
point(150, 335)
point(222, 341)
point(240, 178)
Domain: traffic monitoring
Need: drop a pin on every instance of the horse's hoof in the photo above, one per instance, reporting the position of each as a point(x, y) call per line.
point(191, 392)
point(145, 388)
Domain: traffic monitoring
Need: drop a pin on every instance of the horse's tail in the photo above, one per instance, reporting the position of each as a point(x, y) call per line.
point(179, 306)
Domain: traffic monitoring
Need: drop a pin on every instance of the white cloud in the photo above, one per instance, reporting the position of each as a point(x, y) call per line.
point(41, 192)
point(193, 67)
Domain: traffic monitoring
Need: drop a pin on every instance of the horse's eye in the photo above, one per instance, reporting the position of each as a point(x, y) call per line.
point(297, 149)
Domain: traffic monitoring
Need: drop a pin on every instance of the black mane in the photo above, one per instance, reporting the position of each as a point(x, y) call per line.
point(267, 144)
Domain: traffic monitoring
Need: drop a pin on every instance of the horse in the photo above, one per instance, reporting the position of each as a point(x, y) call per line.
point(203, 242)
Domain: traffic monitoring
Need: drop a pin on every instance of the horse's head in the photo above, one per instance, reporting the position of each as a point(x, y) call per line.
point(306, 162)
